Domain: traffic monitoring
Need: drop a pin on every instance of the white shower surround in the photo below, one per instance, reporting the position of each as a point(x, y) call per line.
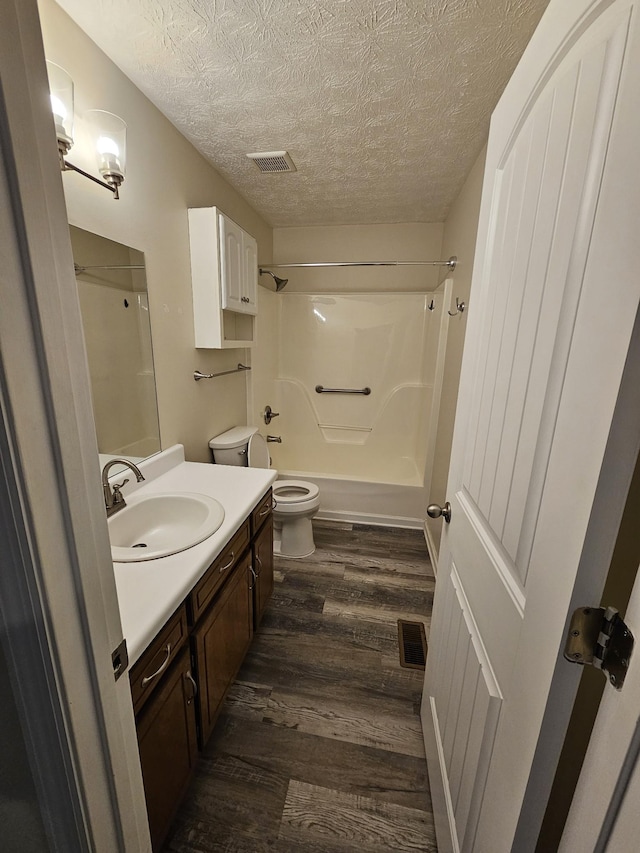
point(370, 455)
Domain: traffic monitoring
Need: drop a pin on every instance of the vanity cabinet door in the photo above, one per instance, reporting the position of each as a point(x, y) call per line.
point(263, 568)
point(147, 672)
point(220, 642)
point(168, 745)
point(204, 591)
point(261, 512)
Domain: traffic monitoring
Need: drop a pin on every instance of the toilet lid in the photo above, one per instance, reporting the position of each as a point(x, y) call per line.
point(258, 452)
point(294, 491)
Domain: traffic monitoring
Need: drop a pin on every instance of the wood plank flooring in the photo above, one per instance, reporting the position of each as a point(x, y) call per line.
point(319, 748)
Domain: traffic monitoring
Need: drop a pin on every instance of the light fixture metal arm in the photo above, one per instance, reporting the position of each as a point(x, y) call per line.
point(66, 166)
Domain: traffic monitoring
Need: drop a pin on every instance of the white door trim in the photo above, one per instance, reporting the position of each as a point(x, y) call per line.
point(46, 391)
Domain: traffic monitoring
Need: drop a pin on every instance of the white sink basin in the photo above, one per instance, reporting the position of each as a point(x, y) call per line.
point(152, 526)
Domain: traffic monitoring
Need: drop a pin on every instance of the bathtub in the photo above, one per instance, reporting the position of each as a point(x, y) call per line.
point(365, 501)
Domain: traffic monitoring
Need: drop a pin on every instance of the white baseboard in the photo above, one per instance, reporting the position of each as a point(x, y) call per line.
point(367, 518)
point(431, 548)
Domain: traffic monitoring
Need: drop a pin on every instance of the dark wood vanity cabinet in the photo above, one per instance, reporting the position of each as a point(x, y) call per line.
point(220, 641)
point(168, 745)
point(179, 683)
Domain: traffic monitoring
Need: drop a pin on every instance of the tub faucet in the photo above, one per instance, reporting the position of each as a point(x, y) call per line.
point(114, 500)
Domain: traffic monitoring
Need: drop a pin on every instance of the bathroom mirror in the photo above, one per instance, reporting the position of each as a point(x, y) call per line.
point(112, 288)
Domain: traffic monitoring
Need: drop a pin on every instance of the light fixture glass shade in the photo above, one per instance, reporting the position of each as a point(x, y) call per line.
point(61, 93)
point(109, 135)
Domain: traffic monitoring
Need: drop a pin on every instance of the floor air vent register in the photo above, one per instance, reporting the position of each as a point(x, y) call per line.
point(412, 643)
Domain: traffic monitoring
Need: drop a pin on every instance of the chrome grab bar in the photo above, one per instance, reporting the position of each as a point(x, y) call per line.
point(320, 389)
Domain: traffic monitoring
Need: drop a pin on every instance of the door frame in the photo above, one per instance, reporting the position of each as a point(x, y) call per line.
point(61, 580)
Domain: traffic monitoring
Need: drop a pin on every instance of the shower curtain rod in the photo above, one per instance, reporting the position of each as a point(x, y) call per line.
point(81, 268)
point(451, 263)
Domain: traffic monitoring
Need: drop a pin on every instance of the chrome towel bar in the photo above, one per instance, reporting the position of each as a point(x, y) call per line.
point(197, 375)
point(320, 389)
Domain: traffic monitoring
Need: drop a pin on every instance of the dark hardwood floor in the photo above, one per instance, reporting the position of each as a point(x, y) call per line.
point(319, 748)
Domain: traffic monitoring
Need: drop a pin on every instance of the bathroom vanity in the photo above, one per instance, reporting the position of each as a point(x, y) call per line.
point(189, 625)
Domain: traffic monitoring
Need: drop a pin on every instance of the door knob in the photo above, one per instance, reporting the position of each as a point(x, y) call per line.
point(435, 511)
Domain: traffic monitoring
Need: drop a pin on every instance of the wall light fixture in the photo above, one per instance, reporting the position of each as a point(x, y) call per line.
point(108, 132)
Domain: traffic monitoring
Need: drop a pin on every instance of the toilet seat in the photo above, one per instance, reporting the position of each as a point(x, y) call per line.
point(258, 452)
point(288, 492)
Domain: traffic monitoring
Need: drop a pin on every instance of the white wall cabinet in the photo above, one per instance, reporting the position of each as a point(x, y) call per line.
point(224, 278)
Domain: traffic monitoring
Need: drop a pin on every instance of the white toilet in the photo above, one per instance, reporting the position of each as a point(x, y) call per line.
point(296, 501)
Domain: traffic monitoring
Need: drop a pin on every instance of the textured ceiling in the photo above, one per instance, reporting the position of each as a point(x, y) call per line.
point(383, 104)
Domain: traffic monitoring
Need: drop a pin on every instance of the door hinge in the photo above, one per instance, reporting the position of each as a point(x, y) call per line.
point(120, 659)
point(599, 637)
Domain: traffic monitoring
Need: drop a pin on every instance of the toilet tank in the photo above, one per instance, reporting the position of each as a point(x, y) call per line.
point(230, 447)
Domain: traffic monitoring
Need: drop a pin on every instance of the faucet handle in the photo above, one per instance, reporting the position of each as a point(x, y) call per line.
point(269, 415)
point(118, 497)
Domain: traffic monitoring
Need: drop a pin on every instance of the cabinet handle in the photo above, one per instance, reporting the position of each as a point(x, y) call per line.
point(259, 562)
point(161, 668)
point(264, 511)
point(193, 684)
point(229, 564)
point(255, 578)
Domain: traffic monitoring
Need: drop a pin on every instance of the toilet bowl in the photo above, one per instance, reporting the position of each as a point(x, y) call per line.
point(295, 501)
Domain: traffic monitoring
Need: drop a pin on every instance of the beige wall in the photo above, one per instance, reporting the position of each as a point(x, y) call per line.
point(165, 176)
point(459, 239)
point(413, 241)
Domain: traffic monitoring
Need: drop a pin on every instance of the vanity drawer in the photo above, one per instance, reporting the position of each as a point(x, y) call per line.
point(261, 512)
point(218, 572)
point(148, 670)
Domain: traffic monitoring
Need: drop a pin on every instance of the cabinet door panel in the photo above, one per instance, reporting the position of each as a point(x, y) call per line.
point(263, 568)
point(147, 672)
point(221, 641)
point(231, 264)
point(261, 511)
point(250, 278)
point(204, 591)
point(168, 746)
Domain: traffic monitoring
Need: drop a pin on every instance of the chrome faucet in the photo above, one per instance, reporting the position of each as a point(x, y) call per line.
point(114, 500)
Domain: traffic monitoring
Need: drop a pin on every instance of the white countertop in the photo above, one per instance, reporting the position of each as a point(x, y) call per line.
point(150, 591)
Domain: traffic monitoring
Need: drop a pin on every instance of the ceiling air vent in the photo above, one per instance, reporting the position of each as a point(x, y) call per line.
point(273, 161)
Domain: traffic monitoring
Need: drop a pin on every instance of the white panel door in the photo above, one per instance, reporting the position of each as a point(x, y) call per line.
point(554, 297)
